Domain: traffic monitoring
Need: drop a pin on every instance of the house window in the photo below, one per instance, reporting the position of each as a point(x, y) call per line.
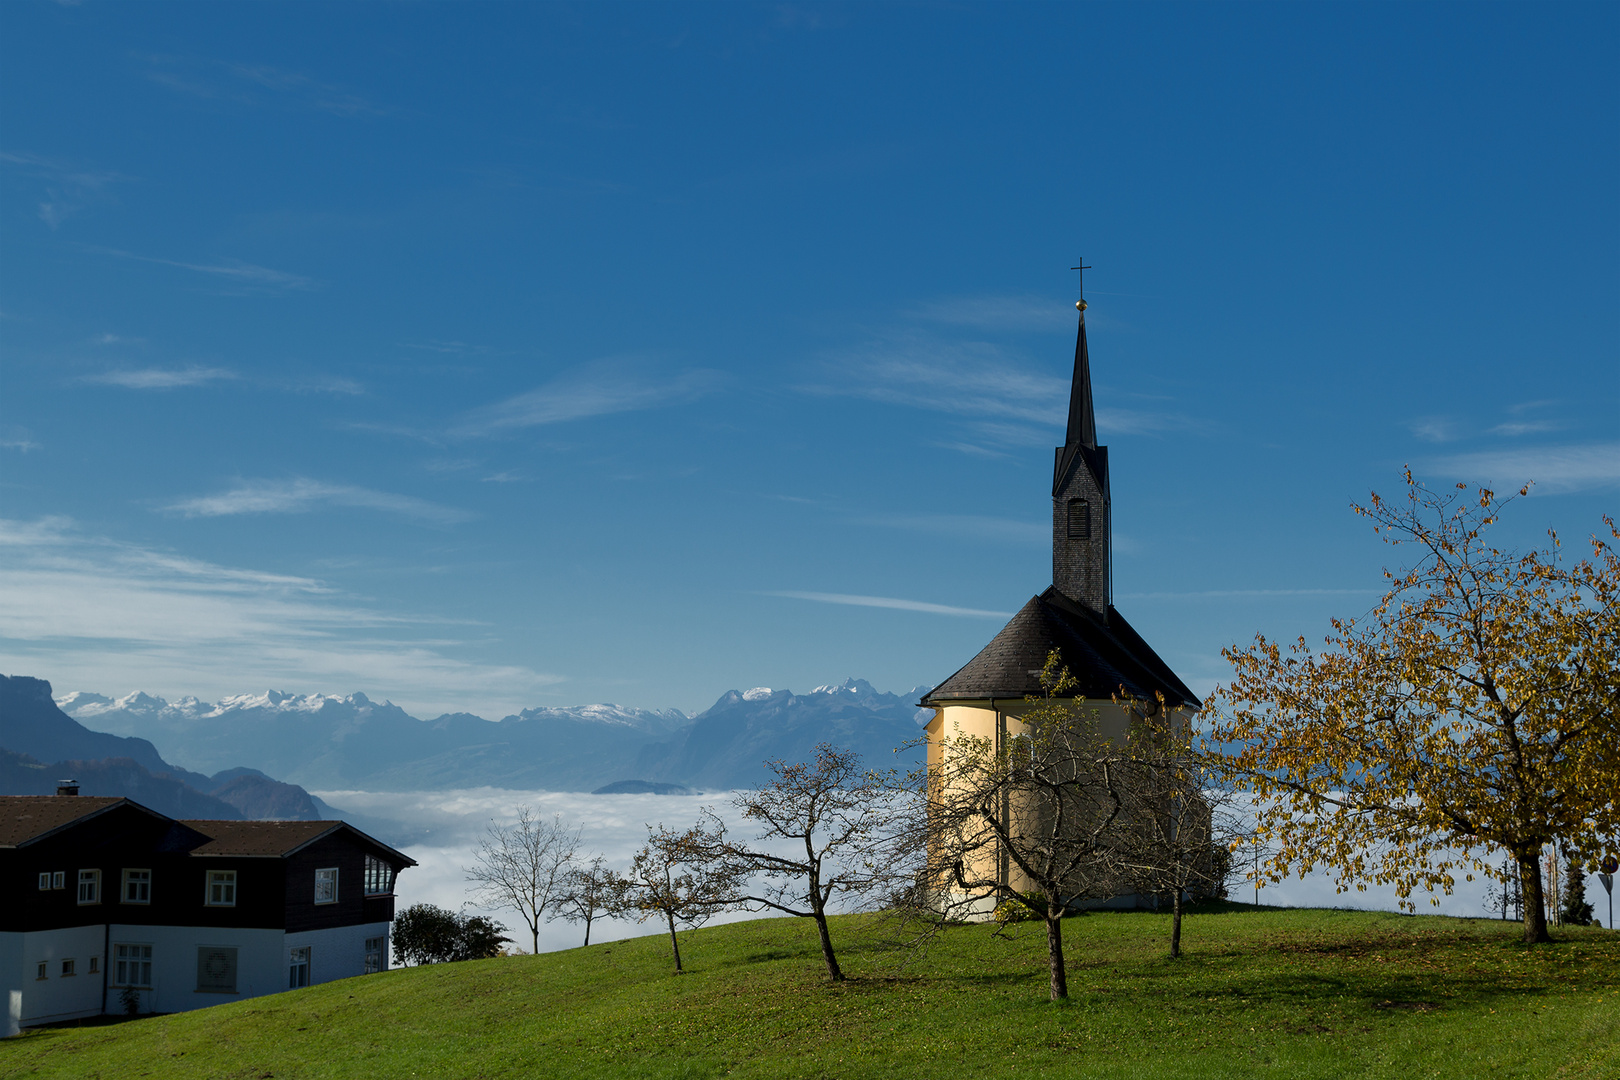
point(216, 970)
point(43, 970)
point(67, 967)
point(326, 886)
point(379, 877)
point(1079, 525)
point(376, 948)
point(95, 965)
point(89, 886)
point(221, 888)
point(298, 968)
point(137, 886)
point(45, 880)
point(133, 965)
point(59, 880)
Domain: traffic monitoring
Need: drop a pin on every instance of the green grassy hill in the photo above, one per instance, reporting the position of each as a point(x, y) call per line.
point(1285, 993)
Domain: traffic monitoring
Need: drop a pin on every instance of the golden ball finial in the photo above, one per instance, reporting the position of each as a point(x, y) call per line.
point(1079, 305)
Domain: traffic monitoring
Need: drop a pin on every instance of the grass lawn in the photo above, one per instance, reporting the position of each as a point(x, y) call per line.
point(1261, 992)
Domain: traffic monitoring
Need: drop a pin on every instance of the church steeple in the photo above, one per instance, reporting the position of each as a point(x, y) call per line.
point(1082, 424)
point(1082, 525)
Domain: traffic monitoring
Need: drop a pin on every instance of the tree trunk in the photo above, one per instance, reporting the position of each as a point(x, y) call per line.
point(826, 945)
point(1054, 953)
point(673, 944)
point(1175, 924)
point(588, 915)
point(534, 929)
point(1535, 914)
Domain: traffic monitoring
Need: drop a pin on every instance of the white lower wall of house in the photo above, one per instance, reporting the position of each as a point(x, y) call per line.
point(260, 965)
point(338, 952)
point(262, 961)
point(32, 1000)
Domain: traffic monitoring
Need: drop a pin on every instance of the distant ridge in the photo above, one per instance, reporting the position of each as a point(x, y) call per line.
point(642, 787)
point(331, 742)
point(40, 745)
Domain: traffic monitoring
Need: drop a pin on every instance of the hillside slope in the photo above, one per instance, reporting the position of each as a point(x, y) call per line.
point(1303, 995)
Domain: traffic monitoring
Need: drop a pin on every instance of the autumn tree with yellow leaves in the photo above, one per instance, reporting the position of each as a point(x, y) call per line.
point(1476, 708)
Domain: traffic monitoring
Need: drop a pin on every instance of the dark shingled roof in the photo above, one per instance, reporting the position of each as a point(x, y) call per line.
point(1103, 658)
point(29, 817)
point(272, 839)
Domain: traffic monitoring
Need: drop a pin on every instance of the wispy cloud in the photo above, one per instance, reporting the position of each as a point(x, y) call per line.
point(1553, 469)
point(1444, 429)
point(971, 526)
point(614, 385)
point(255, 84)
point(890, 602)
point(923, 371)
point(159, 378)
point(326, 384)
point(90, 613)
point(1436, 429)
point(456, 348)
point(1527, 427)
point(244, 273)
point(302, 495)
point(20, 439)
point(67, 186)
point(999, 312)
point(1239, 594)
point(1010, 403)
point(1144, 422)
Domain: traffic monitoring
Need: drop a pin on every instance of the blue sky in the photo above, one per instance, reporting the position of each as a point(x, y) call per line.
point(482, 356)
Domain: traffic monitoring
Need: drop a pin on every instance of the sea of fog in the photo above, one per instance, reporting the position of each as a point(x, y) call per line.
point(444, 828)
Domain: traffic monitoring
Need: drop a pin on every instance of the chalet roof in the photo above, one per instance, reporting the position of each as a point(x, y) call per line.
point(274, 839)
point(26, 818)
point(1103, 658)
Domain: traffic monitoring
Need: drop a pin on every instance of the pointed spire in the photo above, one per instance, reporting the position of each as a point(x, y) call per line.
point(1082, 424)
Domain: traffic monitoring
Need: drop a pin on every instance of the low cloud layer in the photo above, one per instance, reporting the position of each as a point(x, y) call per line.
point(441, 830)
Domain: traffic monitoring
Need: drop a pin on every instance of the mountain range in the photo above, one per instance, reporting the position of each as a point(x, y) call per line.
point(331, 742)
point(40, 746)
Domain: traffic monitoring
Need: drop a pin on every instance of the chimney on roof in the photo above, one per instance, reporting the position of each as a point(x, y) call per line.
point(67, 787)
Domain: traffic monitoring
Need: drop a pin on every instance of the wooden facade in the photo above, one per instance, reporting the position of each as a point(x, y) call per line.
point(84, 880)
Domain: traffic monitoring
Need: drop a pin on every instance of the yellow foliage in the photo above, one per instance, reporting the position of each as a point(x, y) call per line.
point(1474, 709)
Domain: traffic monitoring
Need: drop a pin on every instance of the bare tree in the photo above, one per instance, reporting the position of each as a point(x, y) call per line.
point(1174, 837)
point(523, 866)
point(586, 891)
point(677, 876)
point(1034, 821)
point(834, 816)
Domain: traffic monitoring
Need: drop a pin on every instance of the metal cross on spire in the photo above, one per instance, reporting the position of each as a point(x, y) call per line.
point(1082, 268)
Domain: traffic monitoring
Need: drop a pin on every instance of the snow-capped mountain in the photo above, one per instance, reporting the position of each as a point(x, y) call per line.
point(349, 741)
point(727, 744)
point(329, 741)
